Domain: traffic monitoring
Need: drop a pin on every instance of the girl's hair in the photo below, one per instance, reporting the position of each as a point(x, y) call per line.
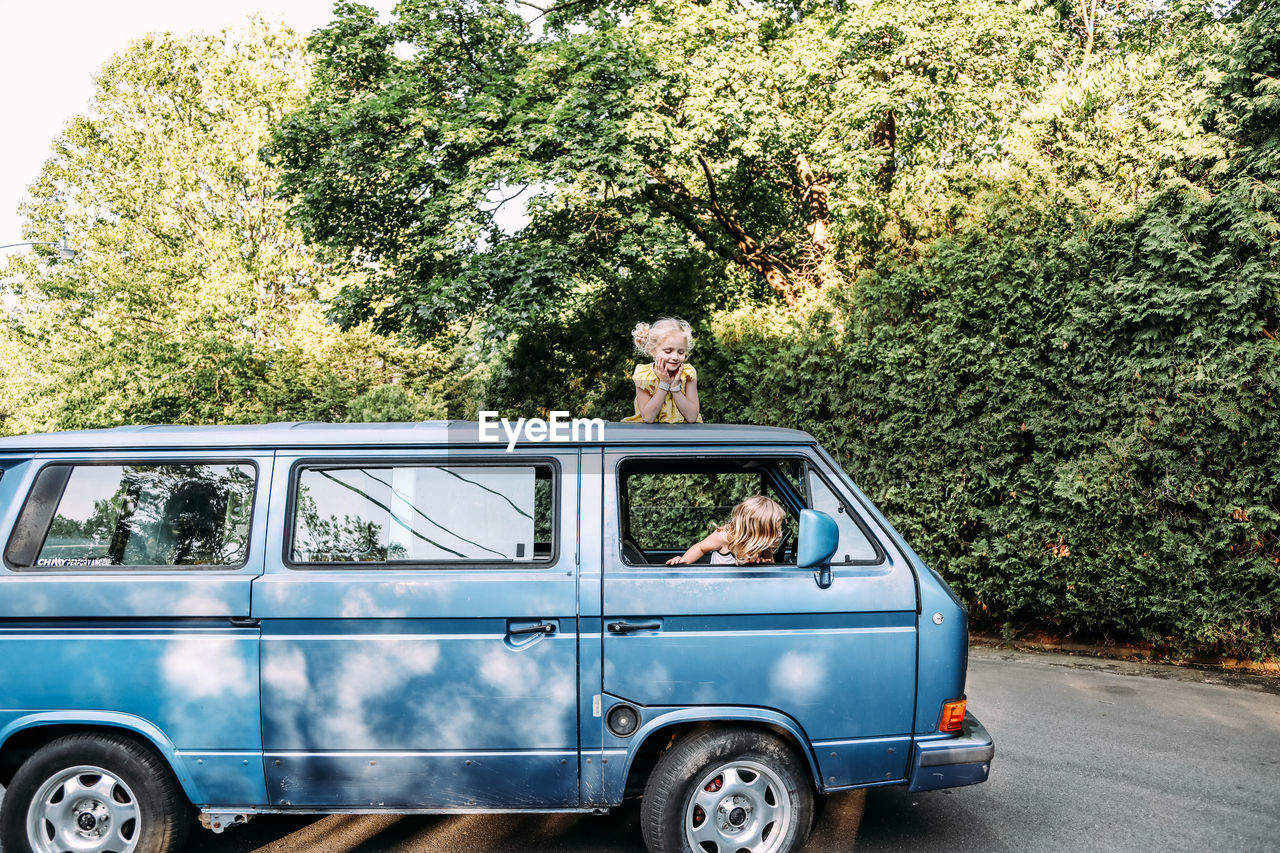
point(754, 528)
point(648, 337)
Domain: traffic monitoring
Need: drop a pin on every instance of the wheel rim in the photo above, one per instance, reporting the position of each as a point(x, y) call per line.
point(738, 806)
point(83, 809)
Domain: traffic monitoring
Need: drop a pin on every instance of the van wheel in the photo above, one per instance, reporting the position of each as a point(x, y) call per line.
point(726, 791)
point(93, 794)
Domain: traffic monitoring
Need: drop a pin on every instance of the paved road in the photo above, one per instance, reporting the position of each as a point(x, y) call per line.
point(1090, 755)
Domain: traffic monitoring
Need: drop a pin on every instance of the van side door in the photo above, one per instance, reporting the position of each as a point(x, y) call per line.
point(419, 620)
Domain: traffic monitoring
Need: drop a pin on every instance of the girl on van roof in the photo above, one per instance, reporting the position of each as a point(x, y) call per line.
point(666, 389)
point(751, 536)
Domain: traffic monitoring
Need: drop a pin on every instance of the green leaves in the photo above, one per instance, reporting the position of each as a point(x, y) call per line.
point(190, 299)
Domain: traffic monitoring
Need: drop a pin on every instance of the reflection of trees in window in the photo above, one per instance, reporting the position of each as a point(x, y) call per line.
point(350, 539)
point(542, 497)
point(97, 529)
point(423, 513)
point(167, 515)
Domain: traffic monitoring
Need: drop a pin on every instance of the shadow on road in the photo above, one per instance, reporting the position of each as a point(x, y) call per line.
point(618, 832)
point(836, 830)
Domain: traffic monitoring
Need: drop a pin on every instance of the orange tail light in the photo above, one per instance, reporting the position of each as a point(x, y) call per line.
point(952, 716)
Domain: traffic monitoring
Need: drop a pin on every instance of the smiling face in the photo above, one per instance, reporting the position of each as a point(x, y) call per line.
point(668, 354)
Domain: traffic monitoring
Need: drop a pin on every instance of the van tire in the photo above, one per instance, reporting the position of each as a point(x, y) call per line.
point(734, 789)
point(123, 791)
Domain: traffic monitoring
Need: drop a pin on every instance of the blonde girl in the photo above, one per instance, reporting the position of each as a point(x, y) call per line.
point(751, 535)
point(666, 389)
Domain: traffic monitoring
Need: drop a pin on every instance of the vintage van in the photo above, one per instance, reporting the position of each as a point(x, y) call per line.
point(317, 618)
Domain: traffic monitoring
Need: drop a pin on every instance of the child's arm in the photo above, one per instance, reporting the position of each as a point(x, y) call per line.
point(715, 542)
point(687, 400)
point(648, 405)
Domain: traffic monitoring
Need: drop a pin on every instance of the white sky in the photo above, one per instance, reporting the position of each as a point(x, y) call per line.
point(50, 50)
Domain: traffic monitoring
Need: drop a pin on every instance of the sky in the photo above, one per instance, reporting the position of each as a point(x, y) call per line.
point(50, 51)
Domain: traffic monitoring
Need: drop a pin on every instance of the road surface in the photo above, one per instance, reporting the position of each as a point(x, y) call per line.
point(1090, 755)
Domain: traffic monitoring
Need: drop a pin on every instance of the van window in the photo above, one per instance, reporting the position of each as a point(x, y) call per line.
point(194, 515)
point(423, 514)
point(670, 505)
point(854, 546)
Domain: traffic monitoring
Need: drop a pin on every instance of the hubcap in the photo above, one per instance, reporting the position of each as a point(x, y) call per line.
point(83, 809)
point(738, 806)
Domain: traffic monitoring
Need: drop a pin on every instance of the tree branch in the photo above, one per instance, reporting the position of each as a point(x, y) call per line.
point(547, 10)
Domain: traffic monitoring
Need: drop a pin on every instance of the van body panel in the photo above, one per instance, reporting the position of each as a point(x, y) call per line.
point(944, 650)
point(223, 779)
point(653, 720)
point(209, 779)
point(848, 763)
point(151, 650)
point(376, 679)
point(843, 681)
point(839, 661)
point(592, 760)
point(102, 596)
point(198, 685)
point(532, 779)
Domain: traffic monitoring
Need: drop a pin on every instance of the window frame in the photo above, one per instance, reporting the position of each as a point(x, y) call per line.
point(682, 463)
point(345, 462)
point(126, 462)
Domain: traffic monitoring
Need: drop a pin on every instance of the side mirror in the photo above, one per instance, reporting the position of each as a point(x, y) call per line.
point(819, 537)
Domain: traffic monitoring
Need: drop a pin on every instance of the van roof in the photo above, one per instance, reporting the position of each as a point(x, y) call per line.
point(427, 433)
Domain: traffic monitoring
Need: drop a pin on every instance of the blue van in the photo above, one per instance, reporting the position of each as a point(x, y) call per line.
point(312, 618)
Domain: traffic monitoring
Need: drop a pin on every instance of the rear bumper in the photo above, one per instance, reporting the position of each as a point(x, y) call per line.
point(951, 763)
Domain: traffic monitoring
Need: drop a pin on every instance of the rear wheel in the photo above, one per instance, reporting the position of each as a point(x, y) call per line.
point(727, 791)
point(93, 794)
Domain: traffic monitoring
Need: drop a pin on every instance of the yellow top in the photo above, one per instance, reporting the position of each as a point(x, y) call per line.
point(646, 379)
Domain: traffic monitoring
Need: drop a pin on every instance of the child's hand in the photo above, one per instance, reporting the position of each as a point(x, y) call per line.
point(660, 368)
point(675, 561)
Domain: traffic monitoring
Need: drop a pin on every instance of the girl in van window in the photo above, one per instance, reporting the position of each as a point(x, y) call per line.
point(666, 389)
point(751, 535)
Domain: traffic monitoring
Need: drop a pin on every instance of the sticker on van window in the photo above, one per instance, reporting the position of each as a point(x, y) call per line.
point(74, 561)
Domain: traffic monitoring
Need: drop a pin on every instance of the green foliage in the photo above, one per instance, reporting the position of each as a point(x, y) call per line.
point(1076, 420)
point(390, 403)
point(790, 143)
point(190, 300)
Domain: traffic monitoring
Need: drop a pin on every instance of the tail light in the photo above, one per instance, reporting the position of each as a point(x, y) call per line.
point(952, 716)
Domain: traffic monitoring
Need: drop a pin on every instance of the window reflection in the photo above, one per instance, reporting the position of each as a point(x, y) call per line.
point(422, 514)
point(134, 515)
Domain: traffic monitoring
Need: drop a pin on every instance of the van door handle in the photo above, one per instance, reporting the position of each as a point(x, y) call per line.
point(245, 622)
point(540, 628)
point(628, 627)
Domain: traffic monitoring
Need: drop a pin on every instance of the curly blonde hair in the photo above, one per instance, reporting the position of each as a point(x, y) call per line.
point(647, 337)
point(756, 527)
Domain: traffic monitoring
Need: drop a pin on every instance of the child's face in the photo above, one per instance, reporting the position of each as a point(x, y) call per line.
point(669, 352)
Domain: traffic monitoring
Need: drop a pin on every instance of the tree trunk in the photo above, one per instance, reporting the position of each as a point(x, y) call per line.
point(885, 135)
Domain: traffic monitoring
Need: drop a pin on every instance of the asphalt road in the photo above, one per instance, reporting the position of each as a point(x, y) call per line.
point(1090, 755)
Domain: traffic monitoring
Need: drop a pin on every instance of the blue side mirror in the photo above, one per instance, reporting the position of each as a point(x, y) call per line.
point(819, 537)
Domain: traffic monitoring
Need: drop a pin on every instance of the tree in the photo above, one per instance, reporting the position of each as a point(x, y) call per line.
point(789, 142)
point(191, 299)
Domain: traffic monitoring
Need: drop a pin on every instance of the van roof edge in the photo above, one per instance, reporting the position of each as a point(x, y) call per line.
point(437, 433)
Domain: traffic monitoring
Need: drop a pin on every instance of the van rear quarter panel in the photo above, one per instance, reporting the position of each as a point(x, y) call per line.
point(152, 651)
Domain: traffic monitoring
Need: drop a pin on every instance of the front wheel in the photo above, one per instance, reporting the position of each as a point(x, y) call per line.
point(93, 794)
point(727, 791)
